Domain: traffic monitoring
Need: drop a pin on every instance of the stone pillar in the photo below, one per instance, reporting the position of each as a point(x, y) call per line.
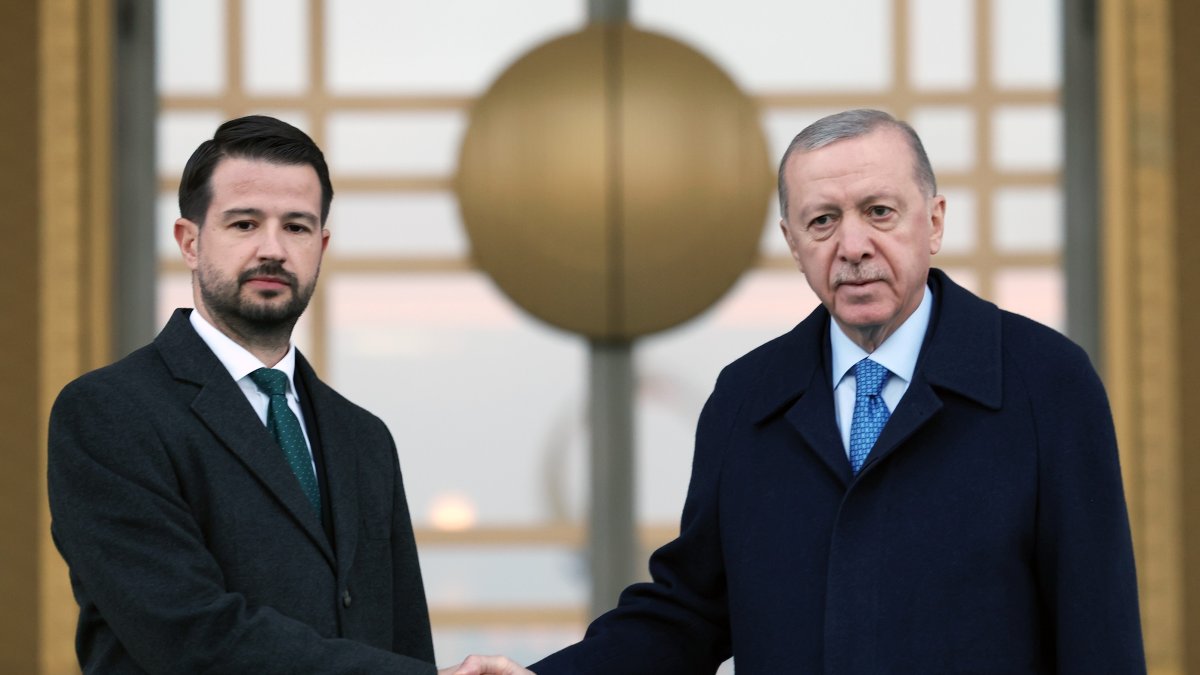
point(1150, 112)
point(54, 291)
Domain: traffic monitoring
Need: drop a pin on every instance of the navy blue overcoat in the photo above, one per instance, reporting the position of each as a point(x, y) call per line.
point(987, 532)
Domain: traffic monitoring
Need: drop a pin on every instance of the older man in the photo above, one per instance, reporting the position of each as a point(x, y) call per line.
point(910, 481)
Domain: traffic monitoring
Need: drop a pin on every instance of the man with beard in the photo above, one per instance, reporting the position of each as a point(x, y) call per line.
point(220, 508)
point(910, 481)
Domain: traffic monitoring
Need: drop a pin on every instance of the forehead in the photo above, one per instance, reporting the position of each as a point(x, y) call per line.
point(241, 179)
point(876, 160)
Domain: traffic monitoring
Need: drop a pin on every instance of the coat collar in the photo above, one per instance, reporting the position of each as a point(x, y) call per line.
point(961, 354)
point(220, 404)
point(341, 461)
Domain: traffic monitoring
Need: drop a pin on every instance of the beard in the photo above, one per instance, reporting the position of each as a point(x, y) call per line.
point(255, 316)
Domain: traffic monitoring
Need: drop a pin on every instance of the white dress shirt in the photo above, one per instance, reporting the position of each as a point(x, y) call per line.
point(240, 363)
point(898, 354)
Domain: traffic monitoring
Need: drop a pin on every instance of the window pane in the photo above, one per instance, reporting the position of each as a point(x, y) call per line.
point(948, 134)
point(1026, 43)
point(1027, 138)
point(375, 224)
point(960, 233)
point(1037, 293)
point(275, 44)
point(769, 46)
point(190, 46)
point(457, 47)
point(1028, 220)
point(419, 142)
point(463, 380)
point(941, 44)
point(179, 133)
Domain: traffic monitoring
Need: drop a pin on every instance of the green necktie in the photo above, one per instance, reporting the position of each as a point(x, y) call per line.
point(283, 424)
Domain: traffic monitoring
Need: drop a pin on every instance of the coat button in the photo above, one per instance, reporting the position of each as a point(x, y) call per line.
point(346, 598)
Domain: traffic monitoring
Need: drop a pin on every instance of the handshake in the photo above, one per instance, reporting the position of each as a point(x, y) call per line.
point(486, 665)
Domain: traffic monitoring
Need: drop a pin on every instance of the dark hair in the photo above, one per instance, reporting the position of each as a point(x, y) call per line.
point(251, 137)
point(852, 124)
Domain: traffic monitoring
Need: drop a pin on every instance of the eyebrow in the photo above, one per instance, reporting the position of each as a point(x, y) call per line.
point(806, 210)
point(877, 196)
point(260, 214)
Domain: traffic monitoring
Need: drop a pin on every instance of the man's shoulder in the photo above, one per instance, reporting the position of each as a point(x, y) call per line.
point(1030, 347)
point(1044, 355)
point(130, 373)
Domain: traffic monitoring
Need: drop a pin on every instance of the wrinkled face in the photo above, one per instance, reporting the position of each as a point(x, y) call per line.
point(256, 259)
point(862, 230)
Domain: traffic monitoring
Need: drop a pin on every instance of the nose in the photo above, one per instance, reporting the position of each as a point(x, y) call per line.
point(856, 240)
point(270, 242)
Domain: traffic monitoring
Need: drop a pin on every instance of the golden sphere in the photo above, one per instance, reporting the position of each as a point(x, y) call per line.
point(614, 182)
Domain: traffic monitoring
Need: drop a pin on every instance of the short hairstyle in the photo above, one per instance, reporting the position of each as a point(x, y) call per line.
point(852, 124)
point(251, 137)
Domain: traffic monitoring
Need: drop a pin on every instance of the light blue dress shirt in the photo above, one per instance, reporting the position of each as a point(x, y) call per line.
point(898, 354)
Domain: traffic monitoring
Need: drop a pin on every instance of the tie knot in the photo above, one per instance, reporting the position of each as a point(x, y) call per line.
point(272, 382)
point(869, 378)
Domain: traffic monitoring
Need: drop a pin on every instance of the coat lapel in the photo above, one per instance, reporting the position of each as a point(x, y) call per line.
point(961, 353)
point(797, 383)
point(341, 465)
point(223, 409)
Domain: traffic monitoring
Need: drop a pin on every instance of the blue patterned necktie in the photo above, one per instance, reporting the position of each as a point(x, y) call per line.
point(870, 412)
point(286, 428)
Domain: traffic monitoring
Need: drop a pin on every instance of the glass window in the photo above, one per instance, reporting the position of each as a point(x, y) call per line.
point(774, 46)
point(384, 47)
point(1026, 43)
point(941, 44)
point(276, 42)
point(401, 224)
point(416, 142)
point(1027, 138)
point(948, 134)
point(191, 46)
point(1028, 219)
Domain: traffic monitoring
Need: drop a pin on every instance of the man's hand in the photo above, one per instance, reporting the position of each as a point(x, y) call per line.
point(486, 665)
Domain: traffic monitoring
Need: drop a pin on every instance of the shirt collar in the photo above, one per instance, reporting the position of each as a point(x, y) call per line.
point(236, 358)
point(899, 351)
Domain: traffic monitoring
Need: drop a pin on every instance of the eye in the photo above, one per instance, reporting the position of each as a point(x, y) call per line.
point(297, 228)
point(822, 227)
point(880, 211)
point(243, 225)
point(821, 222)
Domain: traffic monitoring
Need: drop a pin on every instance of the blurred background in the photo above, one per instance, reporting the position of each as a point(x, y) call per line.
point(1060, 131)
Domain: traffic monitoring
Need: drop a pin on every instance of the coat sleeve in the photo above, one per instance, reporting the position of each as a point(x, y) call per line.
point(410, 623)
point(1084, 550)
point(677, 623)
point(138, 555)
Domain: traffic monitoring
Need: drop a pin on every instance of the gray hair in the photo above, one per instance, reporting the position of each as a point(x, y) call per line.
point(852, 124)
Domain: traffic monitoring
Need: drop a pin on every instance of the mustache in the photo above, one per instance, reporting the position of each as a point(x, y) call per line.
point(268, 269)
point(858, 275)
